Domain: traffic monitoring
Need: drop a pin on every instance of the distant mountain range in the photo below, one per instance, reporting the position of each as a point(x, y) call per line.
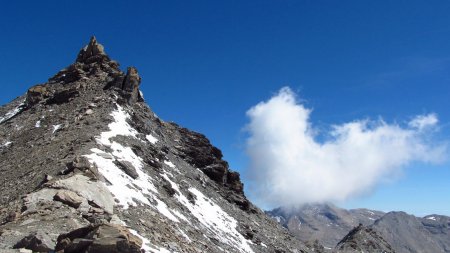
point(337, 228)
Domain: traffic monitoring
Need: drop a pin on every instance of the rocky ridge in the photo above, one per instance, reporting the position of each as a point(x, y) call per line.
point(385, 232)
point(363, 239)
point(88, 167)
point(408, 233)
point(326, 223)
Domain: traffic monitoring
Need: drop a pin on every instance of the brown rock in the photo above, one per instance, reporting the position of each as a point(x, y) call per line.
point(69, 198)
point(131, 85)
point(35, 94)
point(102, 238)
point(92, 52)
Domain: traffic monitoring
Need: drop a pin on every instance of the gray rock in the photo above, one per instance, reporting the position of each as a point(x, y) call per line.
point(99, 239)
point(69, 198)
point(37, 242)
point(128, 168)
point(93, 191)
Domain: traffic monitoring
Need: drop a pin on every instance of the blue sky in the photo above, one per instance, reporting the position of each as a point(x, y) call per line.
point(205, 63)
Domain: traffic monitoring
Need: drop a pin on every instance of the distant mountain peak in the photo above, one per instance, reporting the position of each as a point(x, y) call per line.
point(363, 239)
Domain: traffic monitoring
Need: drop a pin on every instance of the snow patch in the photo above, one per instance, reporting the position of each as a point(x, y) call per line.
point(431, 218)
point(184, 235)
point(126, 190)
point(56, 128)
point(212, 217)
point(38, 124)
point(145, 242)
point(120, 126)
point(12, 113)
point(170, 164)
point(152, 139)
point(164, 210)
point(146, 245)
point(278, 218)
point(6, 144)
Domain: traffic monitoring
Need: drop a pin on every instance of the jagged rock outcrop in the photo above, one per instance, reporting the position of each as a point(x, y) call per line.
point(92, 52)
point(87, 163)
point(363, 239)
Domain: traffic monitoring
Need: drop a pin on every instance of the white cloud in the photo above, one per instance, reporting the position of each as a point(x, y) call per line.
point(423, 121)
point(289, 166)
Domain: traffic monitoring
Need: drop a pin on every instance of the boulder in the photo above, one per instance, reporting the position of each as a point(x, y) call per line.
point(69, 198)
point(35, 94)
point(128, 168)
point(37, 242)
point(94, 191)
point(79, 162)
point(102, 238)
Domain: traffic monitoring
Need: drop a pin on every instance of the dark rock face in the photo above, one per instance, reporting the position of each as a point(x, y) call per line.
point(86, 161)
point(131, 85)
point(198, 151)
point(363, 239)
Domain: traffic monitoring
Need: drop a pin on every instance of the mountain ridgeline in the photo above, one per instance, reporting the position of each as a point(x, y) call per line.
point(88, 167)
point(364, 230)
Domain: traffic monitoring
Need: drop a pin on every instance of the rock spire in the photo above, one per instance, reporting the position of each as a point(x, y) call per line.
point(93, 52)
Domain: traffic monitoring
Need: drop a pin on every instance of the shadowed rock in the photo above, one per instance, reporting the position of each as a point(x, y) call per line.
point(37, 242)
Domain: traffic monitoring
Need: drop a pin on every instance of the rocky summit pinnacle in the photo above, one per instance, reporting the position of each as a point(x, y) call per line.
point(91, 52)
point(86, 166)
